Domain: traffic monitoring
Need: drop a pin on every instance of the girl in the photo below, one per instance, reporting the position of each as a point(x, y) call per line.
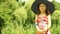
point(43, 20)
point(43, 10)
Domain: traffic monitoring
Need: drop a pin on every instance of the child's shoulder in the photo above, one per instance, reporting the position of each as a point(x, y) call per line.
point(49, 16)
point(36, 15)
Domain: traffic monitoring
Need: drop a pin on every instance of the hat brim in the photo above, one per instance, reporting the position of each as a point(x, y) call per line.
point(50, 6)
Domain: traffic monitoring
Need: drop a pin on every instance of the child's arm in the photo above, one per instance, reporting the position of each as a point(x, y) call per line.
point(49, 21)
point(36, 24)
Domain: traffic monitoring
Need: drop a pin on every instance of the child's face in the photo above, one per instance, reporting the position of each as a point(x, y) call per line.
point(42, 7)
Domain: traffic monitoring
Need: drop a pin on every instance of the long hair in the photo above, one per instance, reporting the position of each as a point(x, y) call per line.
point(46, 12)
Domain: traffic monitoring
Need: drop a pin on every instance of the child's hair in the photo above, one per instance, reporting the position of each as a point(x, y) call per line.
point(46, 12)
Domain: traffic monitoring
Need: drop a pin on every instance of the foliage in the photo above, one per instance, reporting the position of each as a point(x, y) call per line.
point(18, 18)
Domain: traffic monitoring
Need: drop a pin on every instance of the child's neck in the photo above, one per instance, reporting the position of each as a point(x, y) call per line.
point(42, 13)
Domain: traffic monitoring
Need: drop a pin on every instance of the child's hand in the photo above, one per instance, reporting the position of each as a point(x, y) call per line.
point(45, 28)
point(41, 30)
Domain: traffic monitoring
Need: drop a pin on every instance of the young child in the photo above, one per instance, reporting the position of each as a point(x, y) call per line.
point(43, 20)
point(43, 15)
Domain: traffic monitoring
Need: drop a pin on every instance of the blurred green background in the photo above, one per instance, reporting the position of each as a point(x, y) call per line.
point(16, 17)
